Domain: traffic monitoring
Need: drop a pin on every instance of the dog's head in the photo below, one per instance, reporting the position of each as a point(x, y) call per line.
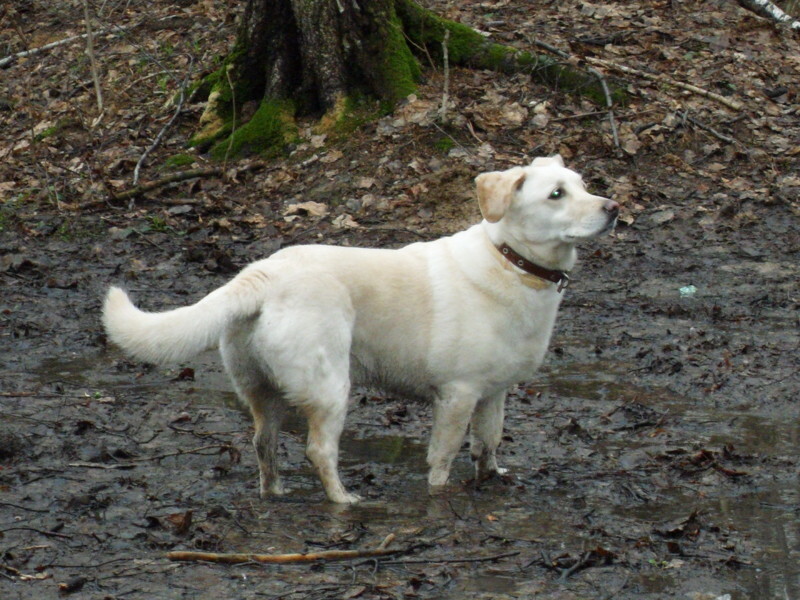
point(544, 203)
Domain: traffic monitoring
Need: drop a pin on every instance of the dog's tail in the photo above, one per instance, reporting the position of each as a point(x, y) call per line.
point(179, 334)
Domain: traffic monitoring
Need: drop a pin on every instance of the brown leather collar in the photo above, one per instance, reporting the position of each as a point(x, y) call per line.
point(558, 277)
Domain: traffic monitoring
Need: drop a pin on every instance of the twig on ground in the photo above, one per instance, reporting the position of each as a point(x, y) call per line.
point(116, 30)
point(446, 91)
point(729, 102)
point(603, 84)
point(19, 507)
point(471, 129)
point(454, 140)
point(233, 120)
point(10, 570)
point(25, 53)
point(310, 557)
point(449, 561)
point(54, 534)
point(173, 178)
point(103, 466)
point(386, 541)
point(132, 463)
point(29, 395)
point(219, 447)
point(12, 15)
point(582, 562)
point(161, 133)
point(596, 113)
point(771, 11)
point(98, 90)
point(710, 130)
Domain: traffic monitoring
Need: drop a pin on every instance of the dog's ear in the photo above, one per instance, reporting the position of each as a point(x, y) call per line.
point(496, 191)
point(548, 160)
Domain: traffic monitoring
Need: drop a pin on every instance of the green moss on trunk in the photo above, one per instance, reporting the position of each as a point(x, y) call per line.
point(267, 133)
point(467, 47)
point(399, 70)
point(220, 89)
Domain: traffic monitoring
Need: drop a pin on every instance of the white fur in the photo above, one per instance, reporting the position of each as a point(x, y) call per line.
point(449, 320)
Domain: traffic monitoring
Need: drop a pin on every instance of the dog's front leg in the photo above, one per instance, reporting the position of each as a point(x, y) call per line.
point(486, 432)
point(451, 415)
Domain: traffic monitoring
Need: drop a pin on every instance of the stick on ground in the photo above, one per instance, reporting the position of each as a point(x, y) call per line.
point(309, 557)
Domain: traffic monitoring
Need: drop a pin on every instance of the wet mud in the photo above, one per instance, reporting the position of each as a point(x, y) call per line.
point(655, 456)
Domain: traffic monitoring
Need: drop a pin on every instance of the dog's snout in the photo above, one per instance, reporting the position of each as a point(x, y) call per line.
point(611, 207)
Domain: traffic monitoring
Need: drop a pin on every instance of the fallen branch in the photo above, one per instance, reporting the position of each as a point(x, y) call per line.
point(310, 557)
point(175, 178)
point(595, 113)
point(469, 48)
point(220, 448)
point(54, 534)
point(446, 90)
point(770, 10)
point(603, 86)
point(449, 561)
point(98, 90)
point(164, 129)
point(730, 103)
point(25, 53)
point(103, 466)
point(116, 30)
point(711, 130)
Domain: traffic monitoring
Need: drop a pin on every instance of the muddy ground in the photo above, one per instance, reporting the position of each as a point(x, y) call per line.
point(656, 456)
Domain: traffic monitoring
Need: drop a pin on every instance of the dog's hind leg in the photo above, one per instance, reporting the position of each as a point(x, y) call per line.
point(325, 425)
point(268, 411)
point(302, 338)
point(451, 415)
point(486, 432)
point(267, 405)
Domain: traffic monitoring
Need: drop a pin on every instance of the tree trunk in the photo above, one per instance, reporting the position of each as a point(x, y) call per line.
point(313, 57)
point(314, 52)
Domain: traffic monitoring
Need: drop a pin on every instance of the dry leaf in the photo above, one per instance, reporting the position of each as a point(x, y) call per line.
point(331, 157)
point(311, 208)
point(345, 222)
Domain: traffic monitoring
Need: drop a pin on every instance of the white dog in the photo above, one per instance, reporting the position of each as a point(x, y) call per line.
point(457, 320)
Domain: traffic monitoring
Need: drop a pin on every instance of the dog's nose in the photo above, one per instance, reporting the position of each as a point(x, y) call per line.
point(611, 207)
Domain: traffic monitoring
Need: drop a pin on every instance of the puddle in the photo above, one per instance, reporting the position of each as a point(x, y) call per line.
point(767, 516)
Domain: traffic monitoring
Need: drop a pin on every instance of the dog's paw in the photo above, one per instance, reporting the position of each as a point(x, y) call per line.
point(346, 498)
point(275, 488)
point(438, 490)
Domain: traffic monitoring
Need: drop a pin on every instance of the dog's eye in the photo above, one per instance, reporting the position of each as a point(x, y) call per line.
point(556, 194)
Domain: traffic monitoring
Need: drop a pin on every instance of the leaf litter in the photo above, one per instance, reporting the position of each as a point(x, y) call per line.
point(652, 457)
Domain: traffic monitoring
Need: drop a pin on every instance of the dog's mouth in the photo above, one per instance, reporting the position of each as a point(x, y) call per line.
point(608, 227)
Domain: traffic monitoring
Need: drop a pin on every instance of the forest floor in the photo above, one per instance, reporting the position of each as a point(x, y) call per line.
point(655, 457)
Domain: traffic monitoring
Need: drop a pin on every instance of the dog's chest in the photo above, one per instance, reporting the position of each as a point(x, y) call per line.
point(519, 337)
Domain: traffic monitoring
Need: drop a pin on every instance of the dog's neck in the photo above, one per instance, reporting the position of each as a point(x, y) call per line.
point(558, 256)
